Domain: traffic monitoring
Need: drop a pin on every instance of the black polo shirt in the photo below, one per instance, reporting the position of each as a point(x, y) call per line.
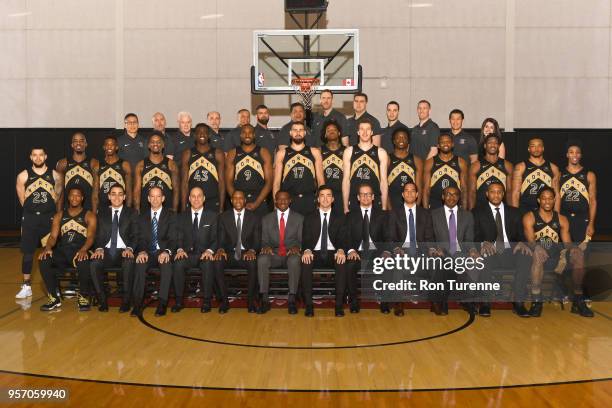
point(216, 140)
point(386, 139)
point(352, 126)
point(182, 143)
point(284, 138)
point(265, 138)
point(464, 145)
point(423, 138)
point(318, 121)
point(132, 149)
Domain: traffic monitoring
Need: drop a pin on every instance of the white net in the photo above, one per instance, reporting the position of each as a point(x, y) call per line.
point(306, 88)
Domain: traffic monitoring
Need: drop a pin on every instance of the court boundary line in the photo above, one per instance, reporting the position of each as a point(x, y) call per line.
point(471, 319)
point(201, 387)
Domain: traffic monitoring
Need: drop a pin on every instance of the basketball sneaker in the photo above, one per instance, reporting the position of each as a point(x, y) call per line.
point(25, 292)
point(52, 303)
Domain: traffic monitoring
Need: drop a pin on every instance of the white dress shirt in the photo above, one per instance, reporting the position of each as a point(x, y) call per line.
point(278, 217)
point(242, 223)
point(408, 238)
point(199, 212)
point(120, 243)
point(330, 246)
point(455, 213)
point(363, 210)
point(503, 220)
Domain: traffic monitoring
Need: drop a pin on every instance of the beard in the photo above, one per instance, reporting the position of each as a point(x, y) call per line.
point(263, 121)
point(297, 141)
point(39, 166)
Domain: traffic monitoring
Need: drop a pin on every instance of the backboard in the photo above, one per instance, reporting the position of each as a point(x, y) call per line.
point(279, 56)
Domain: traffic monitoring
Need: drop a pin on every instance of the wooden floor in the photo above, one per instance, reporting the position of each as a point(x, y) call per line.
point(276, 359)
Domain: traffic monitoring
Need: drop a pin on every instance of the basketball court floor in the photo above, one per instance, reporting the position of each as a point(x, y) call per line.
point(276, 359)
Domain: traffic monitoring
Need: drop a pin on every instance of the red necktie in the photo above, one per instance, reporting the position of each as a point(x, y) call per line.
point(282, 251)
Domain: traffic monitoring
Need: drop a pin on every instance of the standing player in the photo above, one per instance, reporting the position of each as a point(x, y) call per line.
point(442, 171)
point(38, 188)
point(364, 163)
point(547, 233)
point(75, 227)
point(578, 195)
point(202, 166)
point(298, 170)
point(404, 167)
point(249, 170)
point(156, 171)
point(531, 176)
point(77, 170)
point(113, 170)
point(488, 170)
point(331, 156)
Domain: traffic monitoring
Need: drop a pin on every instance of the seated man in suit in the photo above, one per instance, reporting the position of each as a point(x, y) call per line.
point(412, 227)
point(281, 243)
point(323, 244)
point(366, 227)
point(498, 229)
point(156, 245)
point(116, 239)
point(197, 243)
point(454, 232)
point(239, 241)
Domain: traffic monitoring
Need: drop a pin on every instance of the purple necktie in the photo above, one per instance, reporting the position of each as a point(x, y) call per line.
point(452, 232)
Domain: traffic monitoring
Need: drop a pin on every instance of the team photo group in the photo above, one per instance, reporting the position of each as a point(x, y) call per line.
point(323, 192)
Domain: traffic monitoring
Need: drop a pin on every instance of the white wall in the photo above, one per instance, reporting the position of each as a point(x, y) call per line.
point(84, 63)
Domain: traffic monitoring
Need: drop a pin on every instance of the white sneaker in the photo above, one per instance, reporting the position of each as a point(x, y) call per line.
point(26, 291)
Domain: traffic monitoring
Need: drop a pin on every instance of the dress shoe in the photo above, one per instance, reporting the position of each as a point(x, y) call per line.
point(518, 308)
point(252, 308)
point(103, 306)
point(580, 307)
point(309, 312)
point(178, 306)
point(264, 306)
point(485, 310)
point(224, 307)
point(205, 307)
point(161, 309)
point(339, 311)
point(124, 308)
point(536, 309)
point(436, 307)
point(398, 310)
point(136, 311)
point(444, 307)
point(292, 308)
point(469, 307)
point(384, 308)
point(355, 306)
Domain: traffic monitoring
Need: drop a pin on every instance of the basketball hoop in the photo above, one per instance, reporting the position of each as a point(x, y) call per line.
point(306, 88)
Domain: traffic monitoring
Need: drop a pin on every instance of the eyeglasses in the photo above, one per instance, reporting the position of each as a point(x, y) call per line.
point(131, 122)
point(366, 194)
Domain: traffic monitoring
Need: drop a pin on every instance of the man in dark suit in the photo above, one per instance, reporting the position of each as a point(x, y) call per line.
point(454, 232)
point(498, 229)
point(366, 228)
point(239, 241)
point(410, 229)
point(156, 245)
point(116, 238)
point(197, 243)
point(324, 242)
point(281, 244)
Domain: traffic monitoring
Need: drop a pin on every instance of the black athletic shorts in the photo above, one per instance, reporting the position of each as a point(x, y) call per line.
point(577, 224)
point(34, 228)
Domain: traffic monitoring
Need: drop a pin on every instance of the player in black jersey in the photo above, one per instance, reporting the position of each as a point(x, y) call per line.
point(249, 169)
point(331, 156)
point(364, 163)
point(78, 170)
point(491, 168)
point(298, 170)
point(404, 167)
point(578, 195)
point(531, 175)
point(75, 229)
point(442, 171)
point(203, 166)
point(547, 233)
point(156, 171)
point(113, 170)
point(38, 189)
